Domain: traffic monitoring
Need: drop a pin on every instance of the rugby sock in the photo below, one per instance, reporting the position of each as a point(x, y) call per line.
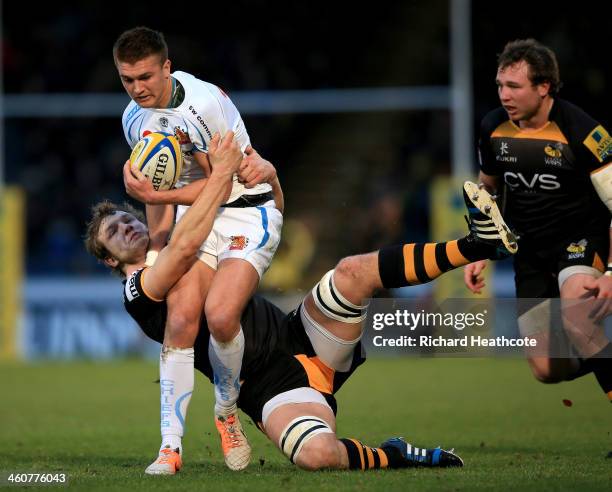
point(176, 386)
point(601, 364)
point(226, 361)
point(419, 263)
point(362, 457)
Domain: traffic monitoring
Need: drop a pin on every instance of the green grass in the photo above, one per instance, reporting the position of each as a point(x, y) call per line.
point(99, 423)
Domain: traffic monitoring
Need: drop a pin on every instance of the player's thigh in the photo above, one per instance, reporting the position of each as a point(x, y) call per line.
point(339, 329)
point(251, 234)
point(185, 304)
point(578, 305)
point(232, 286)
point(536, 285)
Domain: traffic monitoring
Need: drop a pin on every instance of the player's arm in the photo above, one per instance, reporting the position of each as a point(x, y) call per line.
point(255, 170)
point(160, 219)
point(602, 182)
point(472, 277)
point(596, 150)
point(279, 198)
point(144, 192)
point(489, 168)
point(193, 228)
point(491, 183)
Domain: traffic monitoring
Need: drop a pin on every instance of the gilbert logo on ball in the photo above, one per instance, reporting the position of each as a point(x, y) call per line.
point(158, 156)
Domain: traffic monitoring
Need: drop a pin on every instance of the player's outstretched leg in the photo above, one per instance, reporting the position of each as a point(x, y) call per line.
point(486, 222)
point(225, 352)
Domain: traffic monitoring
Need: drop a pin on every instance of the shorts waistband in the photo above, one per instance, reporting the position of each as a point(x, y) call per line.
point(250, 200)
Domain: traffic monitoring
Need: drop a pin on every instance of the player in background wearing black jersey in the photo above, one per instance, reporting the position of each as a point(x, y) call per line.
point(552, 161)
point(292, 364)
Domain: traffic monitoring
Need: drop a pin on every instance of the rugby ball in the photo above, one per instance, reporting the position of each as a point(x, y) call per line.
point(158, 156)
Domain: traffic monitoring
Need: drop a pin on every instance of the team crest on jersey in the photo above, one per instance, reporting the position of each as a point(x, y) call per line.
point(181, 135)
point(238, 243)
point(553, 154)
point(553, 150)
point(599, 143)
point(576, 250)
point(163, 121)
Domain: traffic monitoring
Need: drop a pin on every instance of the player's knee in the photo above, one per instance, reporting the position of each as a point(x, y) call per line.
point(222, 322)
point(310, 443)
point(545, 373)
point(182, 328)
point(350, 268)
point(319, 453)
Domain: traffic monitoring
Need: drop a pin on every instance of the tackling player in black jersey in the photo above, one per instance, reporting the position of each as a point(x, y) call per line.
point(552, 161)
point(293, 364)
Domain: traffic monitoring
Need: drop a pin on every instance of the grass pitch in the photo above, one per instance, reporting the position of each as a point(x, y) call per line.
point(99, 423)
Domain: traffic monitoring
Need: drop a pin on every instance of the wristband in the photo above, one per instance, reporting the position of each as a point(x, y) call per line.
point(151, 257)
point(608, 272)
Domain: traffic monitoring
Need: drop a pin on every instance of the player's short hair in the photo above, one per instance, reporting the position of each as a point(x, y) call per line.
point(543, 66)
point(99, 212)
point(138, 43)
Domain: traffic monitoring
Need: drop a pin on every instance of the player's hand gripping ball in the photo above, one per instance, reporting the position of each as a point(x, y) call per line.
point(158, 156)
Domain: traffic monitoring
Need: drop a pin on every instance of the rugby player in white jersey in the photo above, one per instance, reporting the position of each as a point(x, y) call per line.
point(239, 248)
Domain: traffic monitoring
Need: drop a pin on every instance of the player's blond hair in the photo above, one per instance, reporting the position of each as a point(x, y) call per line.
point(99, 212)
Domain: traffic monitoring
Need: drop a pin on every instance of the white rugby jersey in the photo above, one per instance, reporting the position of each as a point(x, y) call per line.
point(205, 110)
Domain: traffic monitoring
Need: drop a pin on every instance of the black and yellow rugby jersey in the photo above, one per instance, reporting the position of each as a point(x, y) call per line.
point(262, 323)
point(547, 172)
point(278, 355)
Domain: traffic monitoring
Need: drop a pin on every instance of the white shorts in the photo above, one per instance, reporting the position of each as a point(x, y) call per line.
point(297, 395)
point(250, 233)
point(333, 351)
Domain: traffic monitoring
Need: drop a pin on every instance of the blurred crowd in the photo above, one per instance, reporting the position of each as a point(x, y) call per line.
point(352, 181)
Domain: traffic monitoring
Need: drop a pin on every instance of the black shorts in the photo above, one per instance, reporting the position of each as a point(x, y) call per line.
point(537, 269)
point(293, 366)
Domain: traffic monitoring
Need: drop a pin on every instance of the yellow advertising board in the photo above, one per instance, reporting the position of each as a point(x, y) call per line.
point(11, 268)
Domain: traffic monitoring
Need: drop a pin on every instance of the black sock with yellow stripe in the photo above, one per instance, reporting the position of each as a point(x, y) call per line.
point(418, 263)
point(362, 457)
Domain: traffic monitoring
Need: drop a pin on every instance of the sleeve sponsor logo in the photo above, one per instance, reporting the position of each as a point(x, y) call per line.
point(131, 292)
point(599, 143)
point(200, 121)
